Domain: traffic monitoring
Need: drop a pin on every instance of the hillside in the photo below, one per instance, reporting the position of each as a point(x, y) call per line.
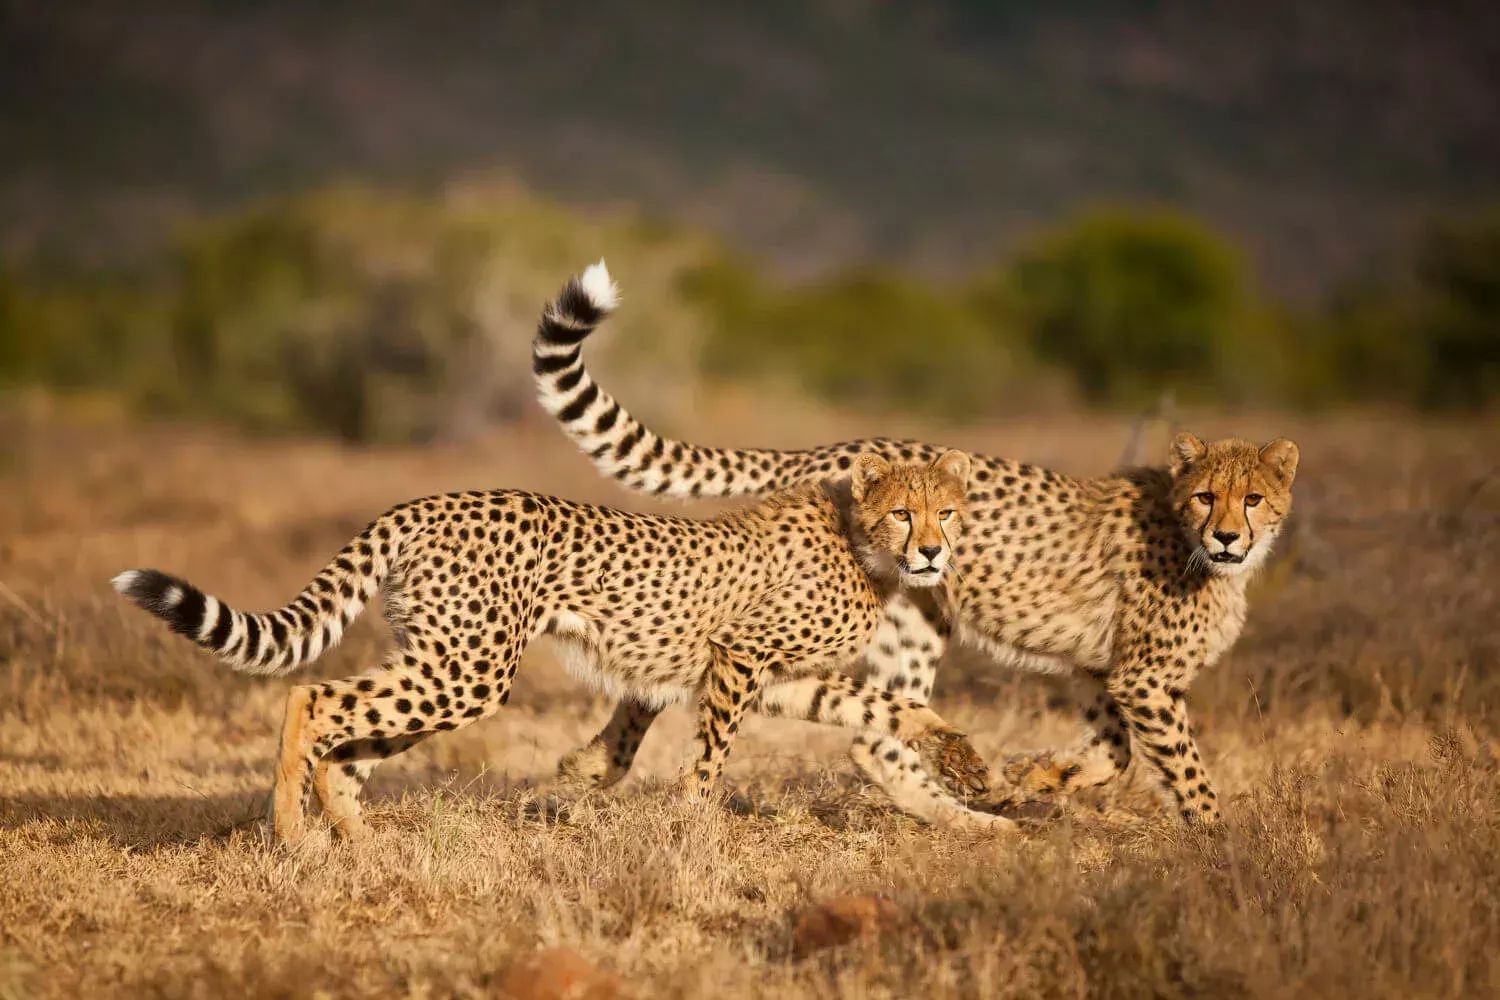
point(816, 133)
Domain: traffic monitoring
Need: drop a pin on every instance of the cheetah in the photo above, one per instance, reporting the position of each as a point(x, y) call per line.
point(1129, 583)
point(751, 609)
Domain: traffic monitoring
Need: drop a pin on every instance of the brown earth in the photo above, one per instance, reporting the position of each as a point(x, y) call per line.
point(1352, 732)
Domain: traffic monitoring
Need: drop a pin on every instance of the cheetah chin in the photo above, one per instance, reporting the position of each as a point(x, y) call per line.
point(927, 576)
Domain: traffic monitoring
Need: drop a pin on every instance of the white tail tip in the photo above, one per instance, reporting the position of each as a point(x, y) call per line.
point(599, 286)
point(123, 582)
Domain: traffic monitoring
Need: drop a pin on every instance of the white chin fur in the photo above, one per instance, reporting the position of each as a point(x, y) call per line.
point(1249, 564)
point(921, 579)
point(599, 286)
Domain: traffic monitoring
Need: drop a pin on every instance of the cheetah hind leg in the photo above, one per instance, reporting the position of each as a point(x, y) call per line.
point(373, 716)
point(340, 776)
point(607, 758)
point(338, 787)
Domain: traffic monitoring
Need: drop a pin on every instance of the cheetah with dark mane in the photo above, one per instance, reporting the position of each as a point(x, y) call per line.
point(1131, 583)
point(748, 610)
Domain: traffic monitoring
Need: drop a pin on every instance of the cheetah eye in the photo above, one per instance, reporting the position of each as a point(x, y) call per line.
point(1204, 498)
point(1252, 499)
point(944, 515)
point(901, 514)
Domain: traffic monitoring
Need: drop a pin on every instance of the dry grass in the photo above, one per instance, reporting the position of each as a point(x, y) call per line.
point(1352, 731)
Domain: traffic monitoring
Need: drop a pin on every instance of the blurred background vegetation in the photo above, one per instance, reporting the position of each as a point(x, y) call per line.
point(379, 316)
point(372, 315)
point(343, 219)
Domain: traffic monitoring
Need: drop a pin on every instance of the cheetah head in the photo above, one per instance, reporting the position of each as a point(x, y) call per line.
point(1231, 497)
point(910, 515)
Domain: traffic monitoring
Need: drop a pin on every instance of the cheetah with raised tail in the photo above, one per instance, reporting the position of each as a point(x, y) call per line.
point(751, 609)
point(1132, 583)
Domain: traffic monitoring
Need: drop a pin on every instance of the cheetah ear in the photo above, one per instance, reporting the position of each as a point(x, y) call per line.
point(868, 469)
point(955, 464)
point(1184, 451)
point(1280, 457)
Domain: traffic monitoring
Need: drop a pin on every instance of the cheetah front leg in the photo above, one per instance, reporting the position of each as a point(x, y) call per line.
point(902, 774)
point(1158, 721)
point(903, 658)
point(608, 756)
point(841, 701)
point(904, 652)
point(901, 743)
point(729, 686)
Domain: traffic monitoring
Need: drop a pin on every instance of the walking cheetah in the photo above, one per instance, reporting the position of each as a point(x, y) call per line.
point(743, 610)
point(1132, 582)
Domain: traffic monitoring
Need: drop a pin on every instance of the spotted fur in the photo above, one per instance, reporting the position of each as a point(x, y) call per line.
point(1132, 583)
point(749, 610)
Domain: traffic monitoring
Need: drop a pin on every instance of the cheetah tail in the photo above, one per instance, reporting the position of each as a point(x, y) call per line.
point(624, 448)
point(563, 387)
point(276, 642)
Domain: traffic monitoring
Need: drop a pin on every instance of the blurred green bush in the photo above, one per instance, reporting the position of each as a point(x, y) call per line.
point(1425, 331)
point(386, 317)
point(867, 338)
point(1132, 302)
point(373, 316)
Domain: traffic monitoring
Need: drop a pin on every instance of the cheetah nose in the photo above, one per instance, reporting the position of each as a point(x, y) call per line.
point(1225, 537)
point(930, 551)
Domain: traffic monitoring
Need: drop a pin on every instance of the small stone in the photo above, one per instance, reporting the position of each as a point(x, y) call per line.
point(841, 920)
point(557, 974)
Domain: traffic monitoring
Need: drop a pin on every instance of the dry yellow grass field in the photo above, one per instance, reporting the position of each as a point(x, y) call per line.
point(1352, 731)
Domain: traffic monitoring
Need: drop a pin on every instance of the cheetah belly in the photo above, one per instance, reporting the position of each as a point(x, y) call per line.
point(576, 643)
point(1071, 639)
point(1014, 656)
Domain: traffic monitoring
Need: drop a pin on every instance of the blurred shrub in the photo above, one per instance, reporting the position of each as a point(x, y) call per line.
point(1427, 332)
point(378, 316)
point(1132, 302)
point(356, 312)
point(866, 338)
point(76, 333)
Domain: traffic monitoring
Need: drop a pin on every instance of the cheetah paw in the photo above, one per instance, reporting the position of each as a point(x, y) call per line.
point(582, 771)
point(1030, 775)
point(949, 754)
point(1020, 810)
point(975, 821)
